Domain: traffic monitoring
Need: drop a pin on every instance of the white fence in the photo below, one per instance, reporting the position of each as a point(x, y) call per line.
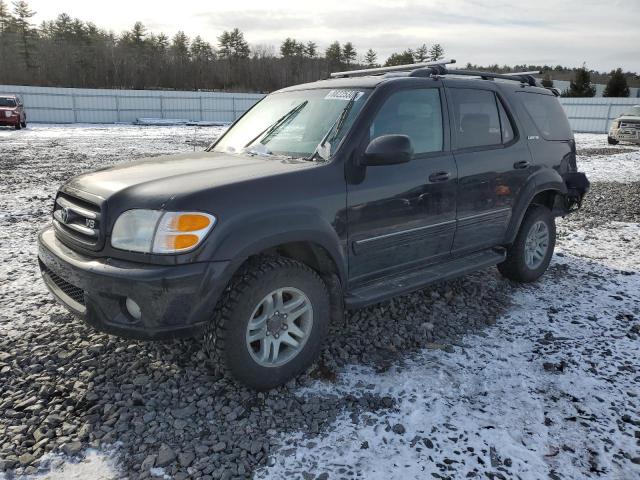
point(594, 114)
point(84, 105)
point(73, 105)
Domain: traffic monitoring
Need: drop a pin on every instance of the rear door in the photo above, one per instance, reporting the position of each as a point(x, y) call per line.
point(493, 164)
point(403, 215)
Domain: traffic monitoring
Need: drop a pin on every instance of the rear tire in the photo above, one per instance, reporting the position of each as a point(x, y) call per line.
point(612, 141)
point(258, 322)
point(529, 255)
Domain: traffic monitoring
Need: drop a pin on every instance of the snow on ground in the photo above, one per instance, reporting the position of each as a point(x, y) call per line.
point(539, 394)
point(93, 466)
point(550, 391)
point(607, 163)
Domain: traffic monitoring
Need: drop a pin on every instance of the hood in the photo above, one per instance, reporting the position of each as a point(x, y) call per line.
point(154, 181)
point(628, 118)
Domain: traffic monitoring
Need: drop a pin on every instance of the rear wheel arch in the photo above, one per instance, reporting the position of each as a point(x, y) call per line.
point(546, 194)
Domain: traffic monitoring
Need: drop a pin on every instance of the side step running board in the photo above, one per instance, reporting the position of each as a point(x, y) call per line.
point(417, 279)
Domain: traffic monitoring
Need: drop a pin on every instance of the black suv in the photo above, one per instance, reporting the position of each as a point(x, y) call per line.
point(338, 193)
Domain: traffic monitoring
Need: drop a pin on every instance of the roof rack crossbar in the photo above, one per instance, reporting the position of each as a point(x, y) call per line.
point(520, 77)
point(395, 68)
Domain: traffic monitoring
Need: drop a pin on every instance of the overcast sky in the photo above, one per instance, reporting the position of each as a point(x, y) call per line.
point(604, 34)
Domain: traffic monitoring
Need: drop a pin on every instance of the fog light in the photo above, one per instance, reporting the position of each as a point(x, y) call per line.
point(133, 308)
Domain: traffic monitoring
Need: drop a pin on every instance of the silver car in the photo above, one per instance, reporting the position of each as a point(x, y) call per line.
point(626, 128)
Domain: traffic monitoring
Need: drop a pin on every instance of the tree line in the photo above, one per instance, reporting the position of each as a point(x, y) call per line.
point(69, 52)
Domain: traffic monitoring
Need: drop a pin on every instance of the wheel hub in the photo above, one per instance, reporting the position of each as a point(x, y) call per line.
point(279, 327)
point(276, 323)
point(536, 245)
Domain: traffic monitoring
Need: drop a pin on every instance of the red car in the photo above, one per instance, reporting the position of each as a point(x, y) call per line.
point(12, 112)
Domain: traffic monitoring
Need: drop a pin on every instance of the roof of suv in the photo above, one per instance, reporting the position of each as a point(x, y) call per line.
point(375, 80)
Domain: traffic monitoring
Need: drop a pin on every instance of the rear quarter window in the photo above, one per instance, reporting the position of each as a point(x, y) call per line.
point(547, 114)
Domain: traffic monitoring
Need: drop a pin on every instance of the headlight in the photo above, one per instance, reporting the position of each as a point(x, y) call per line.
point(154, 231)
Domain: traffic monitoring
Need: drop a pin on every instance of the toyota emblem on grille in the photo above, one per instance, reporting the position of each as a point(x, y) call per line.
point(64, 215)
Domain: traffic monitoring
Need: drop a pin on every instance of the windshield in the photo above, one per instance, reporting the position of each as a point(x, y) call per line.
point(295, 124)
point(634, 112)
point(7, 102)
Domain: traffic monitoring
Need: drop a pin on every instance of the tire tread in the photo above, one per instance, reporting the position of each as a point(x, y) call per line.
point(249, 273)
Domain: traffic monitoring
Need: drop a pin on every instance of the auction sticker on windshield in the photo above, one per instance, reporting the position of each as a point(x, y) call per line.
point(343, 95)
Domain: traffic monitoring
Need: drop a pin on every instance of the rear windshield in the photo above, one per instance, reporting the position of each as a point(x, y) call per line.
point(7, 102)
point(548, 115)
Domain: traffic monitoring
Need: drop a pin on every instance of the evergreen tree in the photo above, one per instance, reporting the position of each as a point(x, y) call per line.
point(403, 58)
point(5, 17)
point(22, 23)
point(422, 53)
point(580, 86)
point(138, 33)
point(436, 52)
point(371, 58)
point(201, 50)
point(180, 46)
point(333, 54)
point(161, 43)
point(233, 45)
point(348, 53)
point(311, 50)
point(617, 85)
point(288, 47)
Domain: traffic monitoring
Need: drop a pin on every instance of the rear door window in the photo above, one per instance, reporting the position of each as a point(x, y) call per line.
point(416, 113)
point(548, 115)
point(476, 118)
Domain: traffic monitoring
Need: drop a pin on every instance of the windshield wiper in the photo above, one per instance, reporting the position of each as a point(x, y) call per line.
point(336, 128)
point(268, 132)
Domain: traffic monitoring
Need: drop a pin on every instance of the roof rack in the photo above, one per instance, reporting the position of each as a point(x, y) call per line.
point(429, 69)
point(395, 68)
point(524, 77)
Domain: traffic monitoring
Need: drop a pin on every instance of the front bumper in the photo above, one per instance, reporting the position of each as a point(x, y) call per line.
point(175, 300)
point(625, 134)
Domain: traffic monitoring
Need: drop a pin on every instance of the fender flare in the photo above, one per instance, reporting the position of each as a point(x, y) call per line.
point(547, 180)
point(248, 237)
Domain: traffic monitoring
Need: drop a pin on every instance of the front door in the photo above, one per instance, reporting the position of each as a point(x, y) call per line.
point(401, 216)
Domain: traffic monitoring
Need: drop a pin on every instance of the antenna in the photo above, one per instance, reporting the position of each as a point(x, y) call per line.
point(395, 68)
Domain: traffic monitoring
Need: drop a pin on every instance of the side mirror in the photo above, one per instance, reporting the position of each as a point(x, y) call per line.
point(388, 150)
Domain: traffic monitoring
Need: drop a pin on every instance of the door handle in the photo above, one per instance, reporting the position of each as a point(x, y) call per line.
point(521, 164)
point(439, 177)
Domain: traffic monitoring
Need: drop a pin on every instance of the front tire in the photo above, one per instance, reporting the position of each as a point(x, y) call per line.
point(18, 126)
point(612, 141)
point(529, 255)
point(270, 323)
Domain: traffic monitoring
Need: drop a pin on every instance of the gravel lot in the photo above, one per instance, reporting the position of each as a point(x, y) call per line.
point(477, 377)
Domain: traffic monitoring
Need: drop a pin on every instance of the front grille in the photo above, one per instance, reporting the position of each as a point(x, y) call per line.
point(71, 291)
point(77, 220)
